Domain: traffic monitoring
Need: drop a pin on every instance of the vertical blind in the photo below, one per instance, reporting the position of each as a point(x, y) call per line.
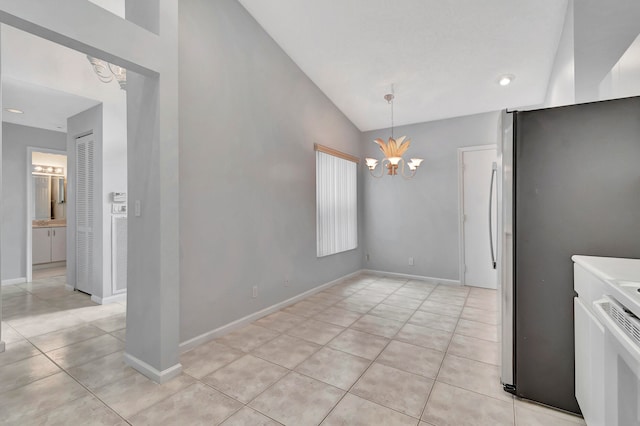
point(336, 203)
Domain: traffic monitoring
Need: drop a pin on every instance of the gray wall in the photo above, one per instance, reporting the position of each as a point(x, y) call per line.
point(248, 120)
point(79, 125)
point(419, 217)
point(15, 140)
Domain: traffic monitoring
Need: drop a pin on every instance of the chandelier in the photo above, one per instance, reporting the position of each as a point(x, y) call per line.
point(107, 72)
point(393, 151)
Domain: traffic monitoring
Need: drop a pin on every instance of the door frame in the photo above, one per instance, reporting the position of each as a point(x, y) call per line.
point(152, 344)
point(29, 225)
point(461, 239)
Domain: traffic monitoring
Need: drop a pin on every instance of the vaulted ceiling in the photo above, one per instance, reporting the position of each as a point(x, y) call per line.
point(444, 58)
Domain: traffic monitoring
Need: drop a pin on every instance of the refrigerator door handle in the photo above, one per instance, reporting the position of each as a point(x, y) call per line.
point(493, 254)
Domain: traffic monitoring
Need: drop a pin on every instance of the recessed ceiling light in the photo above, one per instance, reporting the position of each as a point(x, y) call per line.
point(15, 111)
point(506, 80)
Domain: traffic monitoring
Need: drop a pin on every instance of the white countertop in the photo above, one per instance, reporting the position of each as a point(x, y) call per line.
point(622, 277)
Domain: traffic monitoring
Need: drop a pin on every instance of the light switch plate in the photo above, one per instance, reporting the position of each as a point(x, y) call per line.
point(119, 208)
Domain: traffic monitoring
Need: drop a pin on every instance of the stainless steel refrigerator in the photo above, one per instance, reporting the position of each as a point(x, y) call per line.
point(569, 183)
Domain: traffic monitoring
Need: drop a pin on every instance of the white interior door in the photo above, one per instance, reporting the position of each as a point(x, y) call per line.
point(477, 239)
point(84, 213)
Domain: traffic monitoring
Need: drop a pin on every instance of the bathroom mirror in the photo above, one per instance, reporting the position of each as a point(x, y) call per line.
point(58, 197)
point(42, 197)
point(49, 197)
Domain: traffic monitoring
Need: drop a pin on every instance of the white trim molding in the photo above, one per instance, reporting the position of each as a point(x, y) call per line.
point(150, 372)
point(120, 297)
point(227, 328)
point(13, 281)
point(433, 280)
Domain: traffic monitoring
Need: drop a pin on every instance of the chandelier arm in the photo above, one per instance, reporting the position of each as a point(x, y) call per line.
point(411, 175)
point(100, 72)
point(381, 167)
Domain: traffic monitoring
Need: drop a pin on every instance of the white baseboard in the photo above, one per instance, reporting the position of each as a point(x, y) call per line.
point(69, 287)
point(151, 372)
point(51, 265)
point(413, 277)
point(13, 281)
point(220, 331)
point(109, 299)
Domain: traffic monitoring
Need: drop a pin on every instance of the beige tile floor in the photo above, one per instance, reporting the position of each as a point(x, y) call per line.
point(39, 274)
point(368, 351)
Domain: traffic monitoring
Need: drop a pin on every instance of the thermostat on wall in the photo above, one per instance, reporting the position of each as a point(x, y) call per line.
point(119, 197)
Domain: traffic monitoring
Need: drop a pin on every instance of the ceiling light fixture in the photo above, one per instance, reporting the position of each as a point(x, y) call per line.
point(506, 80)
point(107, 72)
point(393, 151)
point(14, 110)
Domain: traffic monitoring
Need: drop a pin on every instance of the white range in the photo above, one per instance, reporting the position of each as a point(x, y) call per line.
point(607, 339)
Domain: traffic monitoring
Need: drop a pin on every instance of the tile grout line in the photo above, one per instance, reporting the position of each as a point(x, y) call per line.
point(293, 371)
point(86, 388)
point(60, 367)
point(435, 380)
point(361, 314)
point(327, 306)
point(477, 393)
point(368, 367)
point(376, 358)
point(64, 371)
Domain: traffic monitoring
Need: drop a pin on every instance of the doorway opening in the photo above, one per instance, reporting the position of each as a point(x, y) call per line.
point(60, 192)
point(47, 213)
point(150, 160)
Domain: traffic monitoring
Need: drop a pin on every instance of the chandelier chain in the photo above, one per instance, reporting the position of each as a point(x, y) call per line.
point(391, 102)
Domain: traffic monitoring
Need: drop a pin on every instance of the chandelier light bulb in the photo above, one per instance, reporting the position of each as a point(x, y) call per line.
point(394, 160)
point(371, 163)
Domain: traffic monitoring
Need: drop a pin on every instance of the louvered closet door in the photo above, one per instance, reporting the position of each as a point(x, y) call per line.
point(84, 213)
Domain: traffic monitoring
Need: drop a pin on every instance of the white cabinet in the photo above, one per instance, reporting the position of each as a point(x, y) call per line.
point(41, 245)
point(58, 244)
point(49, 245)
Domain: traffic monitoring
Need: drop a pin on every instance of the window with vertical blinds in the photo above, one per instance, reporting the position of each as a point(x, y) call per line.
point(336, 201)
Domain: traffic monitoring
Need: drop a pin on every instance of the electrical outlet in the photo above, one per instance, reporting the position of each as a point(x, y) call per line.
point(366, 257)
point(411, 261)
point(255, 291)
point(286, 282)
